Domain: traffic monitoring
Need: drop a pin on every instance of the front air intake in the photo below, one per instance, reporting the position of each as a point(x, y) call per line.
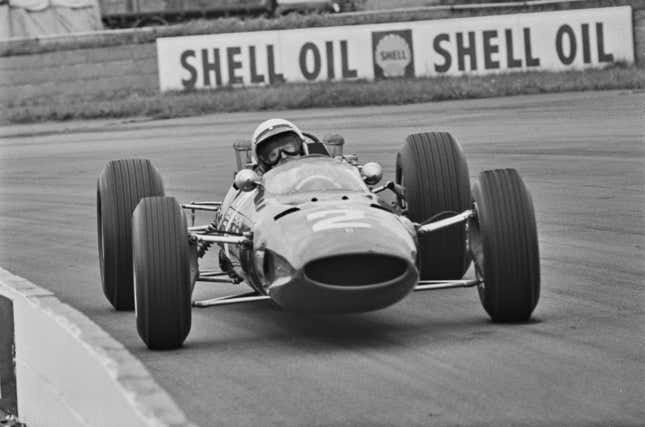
point(356, 269)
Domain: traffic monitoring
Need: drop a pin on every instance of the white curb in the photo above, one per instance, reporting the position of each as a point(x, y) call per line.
point(69, 372)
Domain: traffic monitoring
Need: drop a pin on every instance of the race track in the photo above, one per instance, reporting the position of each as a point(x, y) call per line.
point(434, 358)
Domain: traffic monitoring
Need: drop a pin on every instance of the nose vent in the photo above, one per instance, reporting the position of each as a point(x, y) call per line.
point(355, 270)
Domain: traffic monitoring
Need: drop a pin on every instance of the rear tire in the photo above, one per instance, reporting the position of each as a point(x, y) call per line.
point(121, 185)
point(162, 273)
point(505, 246)
point(433, 170)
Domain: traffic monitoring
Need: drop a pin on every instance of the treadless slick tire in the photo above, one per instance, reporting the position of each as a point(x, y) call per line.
point(161, 272)
point(121, 185)
point(433, 170)
point(505, 246)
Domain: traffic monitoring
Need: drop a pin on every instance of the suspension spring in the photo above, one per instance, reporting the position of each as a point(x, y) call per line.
point(205, 246)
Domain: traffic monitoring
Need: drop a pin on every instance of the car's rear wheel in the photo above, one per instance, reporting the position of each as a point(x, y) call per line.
point(504, 243)
point(121, 185)
point(162, 272)
point(433, 170)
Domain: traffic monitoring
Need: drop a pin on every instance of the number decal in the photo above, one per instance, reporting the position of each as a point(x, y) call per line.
point(337, 219)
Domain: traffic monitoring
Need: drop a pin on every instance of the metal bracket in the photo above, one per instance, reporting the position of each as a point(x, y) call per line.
point(215, 277)
point(446, 222)
point(200, 228)
point(397, 189)
point(231, 299)
point(431, 285)
point(424, 285)
point(201, 206)
point(239, 240)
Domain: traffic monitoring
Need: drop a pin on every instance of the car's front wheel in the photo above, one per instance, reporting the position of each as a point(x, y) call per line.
point(162, 272)
point(504, 246)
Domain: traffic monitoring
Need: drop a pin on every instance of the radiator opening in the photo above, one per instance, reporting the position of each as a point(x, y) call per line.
point(356, 269)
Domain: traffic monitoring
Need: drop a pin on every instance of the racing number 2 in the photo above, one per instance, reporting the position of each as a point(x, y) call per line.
point(337, 219)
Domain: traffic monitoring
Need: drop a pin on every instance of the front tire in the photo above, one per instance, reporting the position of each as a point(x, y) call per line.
point(121, 185)
point(505, 246)
point(433, 170)
point(162, 273)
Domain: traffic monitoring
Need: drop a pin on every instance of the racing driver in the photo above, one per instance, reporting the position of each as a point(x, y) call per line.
point(274, 141)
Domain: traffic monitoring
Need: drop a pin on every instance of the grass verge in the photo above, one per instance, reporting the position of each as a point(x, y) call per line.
point(328, 94)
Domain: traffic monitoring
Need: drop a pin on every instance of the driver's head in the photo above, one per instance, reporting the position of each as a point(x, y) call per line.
point(275, 140)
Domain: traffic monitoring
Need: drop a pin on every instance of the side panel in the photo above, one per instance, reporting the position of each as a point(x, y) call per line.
point(239, 216)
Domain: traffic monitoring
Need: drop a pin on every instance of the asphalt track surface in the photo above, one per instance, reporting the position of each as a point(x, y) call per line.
point(432, 359)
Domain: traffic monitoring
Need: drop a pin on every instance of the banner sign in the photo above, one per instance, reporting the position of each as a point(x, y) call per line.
point(555, 41)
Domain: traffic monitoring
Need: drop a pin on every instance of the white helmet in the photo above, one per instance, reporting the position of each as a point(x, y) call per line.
point(269, 129)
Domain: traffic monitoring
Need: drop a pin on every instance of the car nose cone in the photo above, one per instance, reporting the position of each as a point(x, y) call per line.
point(344, 260)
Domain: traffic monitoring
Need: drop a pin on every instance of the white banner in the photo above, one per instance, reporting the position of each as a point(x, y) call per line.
point(555, 41)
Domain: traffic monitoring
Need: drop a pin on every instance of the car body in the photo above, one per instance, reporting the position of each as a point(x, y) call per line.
point(322, 241)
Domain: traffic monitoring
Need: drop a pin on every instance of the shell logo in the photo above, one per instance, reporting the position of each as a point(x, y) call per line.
point(393, 55)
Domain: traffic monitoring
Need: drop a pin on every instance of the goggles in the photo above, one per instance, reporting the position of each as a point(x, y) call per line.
point(270, 152)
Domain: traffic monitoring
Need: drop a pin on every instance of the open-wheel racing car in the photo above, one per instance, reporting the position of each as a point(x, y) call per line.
point(314, 235)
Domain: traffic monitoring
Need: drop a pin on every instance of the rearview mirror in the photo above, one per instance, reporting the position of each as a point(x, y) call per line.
point(372, 173)
point(246, 180)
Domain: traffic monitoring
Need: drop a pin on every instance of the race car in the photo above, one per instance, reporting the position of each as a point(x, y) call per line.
point(316, 235)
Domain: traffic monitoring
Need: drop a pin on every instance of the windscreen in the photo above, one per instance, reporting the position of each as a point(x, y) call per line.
point(314, 174)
